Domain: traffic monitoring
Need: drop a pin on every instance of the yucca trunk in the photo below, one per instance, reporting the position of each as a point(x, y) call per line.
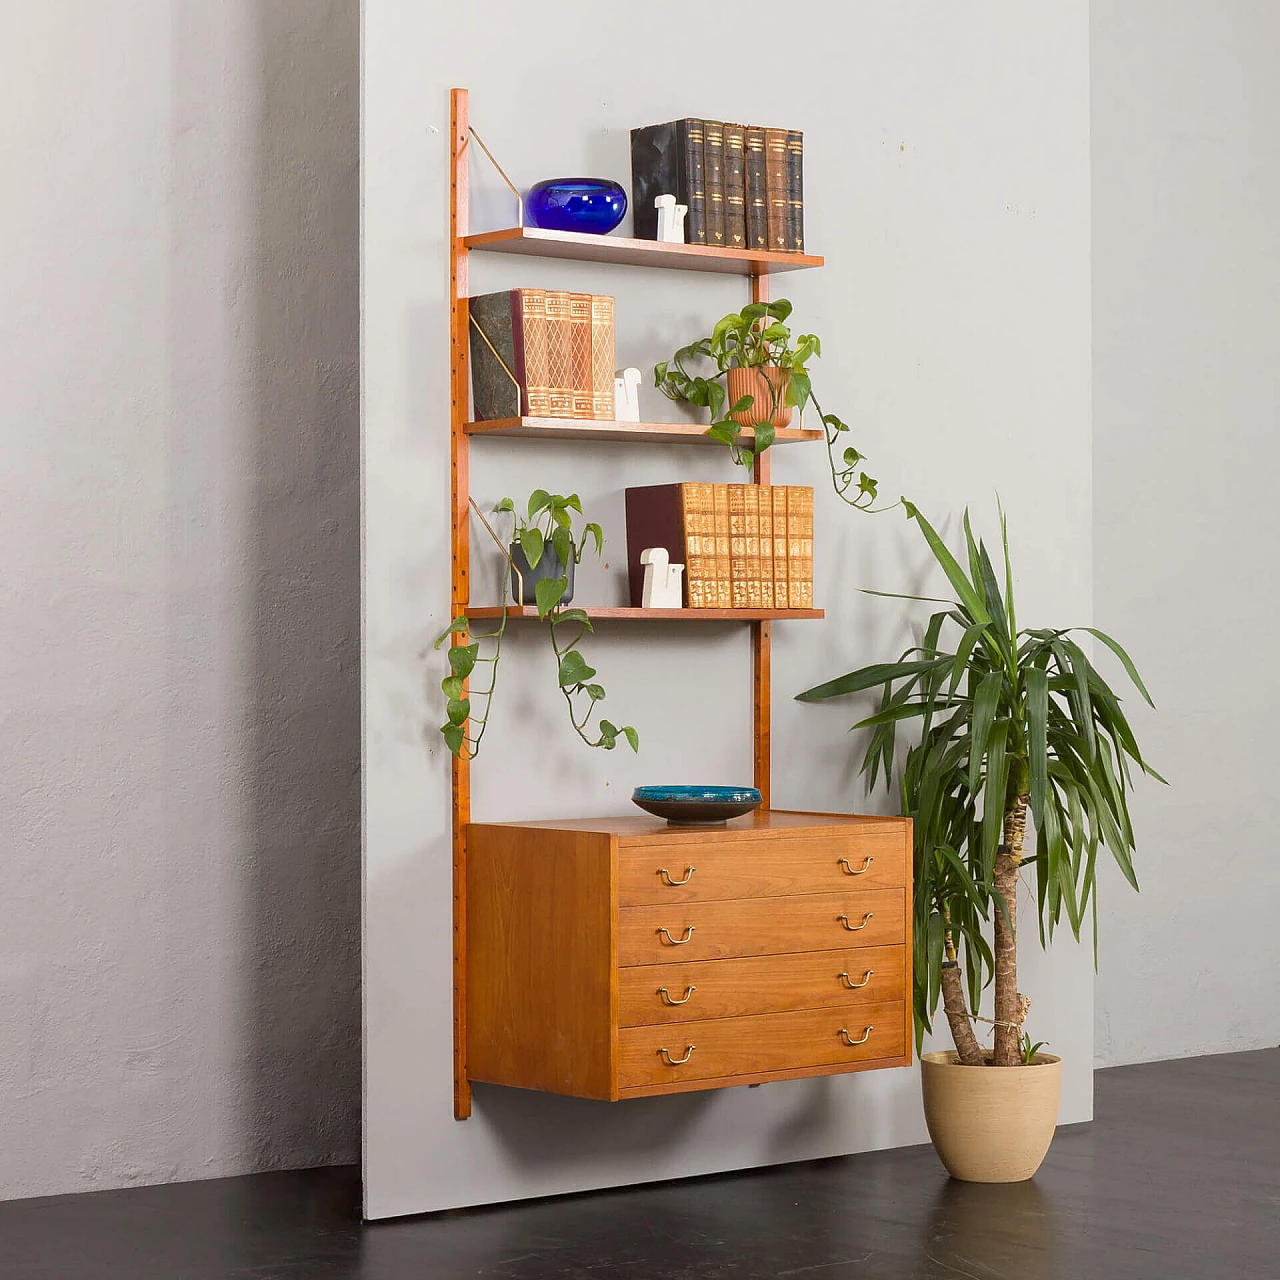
point(967, 1046)
point(1008, 860)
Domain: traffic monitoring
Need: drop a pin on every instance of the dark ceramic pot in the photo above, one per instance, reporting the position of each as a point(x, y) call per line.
point(549, 566)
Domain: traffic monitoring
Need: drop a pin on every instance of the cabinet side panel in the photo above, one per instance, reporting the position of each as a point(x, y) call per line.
point(908, 937)
point(539, 972)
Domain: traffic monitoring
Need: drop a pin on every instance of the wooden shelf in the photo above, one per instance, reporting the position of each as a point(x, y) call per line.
point(652, 615)
point(625, 252)
point(639, 432)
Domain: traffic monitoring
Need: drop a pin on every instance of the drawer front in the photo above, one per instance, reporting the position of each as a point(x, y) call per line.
point(760, 926)
point(768, 1042)
point(695, 992)
point(752, 865)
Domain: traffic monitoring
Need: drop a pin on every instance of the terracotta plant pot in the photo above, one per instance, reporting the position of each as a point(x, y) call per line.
point(769, 385)
point(990, 1124)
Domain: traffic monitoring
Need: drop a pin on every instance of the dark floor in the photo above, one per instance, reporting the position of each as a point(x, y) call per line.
point(1179, 1176)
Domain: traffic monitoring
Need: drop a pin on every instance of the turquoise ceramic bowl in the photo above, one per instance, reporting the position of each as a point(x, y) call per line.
point(696, 806)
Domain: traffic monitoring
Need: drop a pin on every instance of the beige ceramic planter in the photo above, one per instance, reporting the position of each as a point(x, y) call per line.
point(767, 385)
point(990, 1124)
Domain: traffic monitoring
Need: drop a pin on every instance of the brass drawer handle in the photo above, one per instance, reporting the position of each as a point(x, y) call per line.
point(844, 1035)
point(853, 928)
point(677, 942)
point(666, 876)
point(677, 1062)
point(669, 999)
point(861, 871)
point(853, 986)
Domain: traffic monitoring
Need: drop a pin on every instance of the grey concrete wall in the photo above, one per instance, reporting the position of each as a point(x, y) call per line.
point(179, 606)
point(1186, 271)
point(947, 181)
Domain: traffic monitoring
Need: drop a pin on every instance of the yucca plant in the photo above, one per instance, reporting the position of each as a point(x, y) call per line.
point(1013, 725)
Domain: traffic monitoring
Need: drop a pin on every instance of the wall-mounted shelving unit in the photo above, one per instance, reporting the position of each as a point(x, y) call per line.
point(516, 1023)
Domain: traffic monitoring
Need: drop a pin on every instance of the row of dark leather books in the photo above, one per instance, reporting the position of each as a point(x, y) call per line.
point(743, 185)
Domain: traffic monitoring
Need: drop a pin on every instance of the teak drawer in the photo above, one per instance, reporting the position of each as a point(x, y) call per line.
point(694, 992)
point(759, 926)
point(750, 1046)
point(560, 987)
point(753, 864)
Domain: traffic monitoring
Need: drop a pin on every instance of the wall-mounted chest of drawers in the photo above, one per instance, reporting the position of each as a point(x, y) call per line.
point(618, 957)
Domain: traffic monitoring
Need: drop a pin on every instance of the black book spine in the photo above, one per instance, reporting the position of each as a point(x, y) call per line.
point(713, 165)
point(735, 186)
point(795, 191)
point(657, 168)
point(757, 210)
point(695, 223)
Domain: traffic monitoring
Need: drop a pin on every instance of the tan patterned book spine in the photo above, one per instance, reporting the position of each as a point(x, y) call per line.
point(537, 366)
point(799, 547)
point(581, 378)
point(724, 578)
point(764, 499)
point(559, 354)
point(775, 194)
point(698, 517)
point(779, 497)
point(602, 356)
point(738, 571)
point(751, 519)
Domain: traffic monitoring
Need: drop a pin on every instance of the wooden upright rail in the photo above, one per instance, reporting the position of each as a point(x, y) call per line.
point(460, 440)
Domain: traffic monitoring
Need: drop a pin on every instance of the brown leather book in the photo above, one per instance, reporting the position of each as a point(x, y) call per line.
point(602, 356)
point(735, 186)
point(780, 595)
point(580, 353)
point(757, 208)
point(795, 191)
point(713, 170)
point(751, 502)
point(559, 354)
point(775, 178)
point(764, 515)
point(499, 360)
point(799, 547)
point(739, 567)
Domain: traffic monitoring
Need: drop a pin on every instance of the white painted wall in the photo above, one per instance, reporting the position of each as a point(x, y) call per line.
point(178, 597)
point(947, 176)
point(1186, 271)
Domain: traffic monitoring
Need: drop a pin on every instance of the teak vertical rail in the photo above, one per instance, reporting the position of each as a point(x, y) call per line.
point(460, 389)
point(460, 547)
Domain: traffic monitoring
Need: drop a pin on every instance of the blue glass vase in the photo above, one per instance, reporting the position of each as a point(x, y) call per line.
point(594, 205)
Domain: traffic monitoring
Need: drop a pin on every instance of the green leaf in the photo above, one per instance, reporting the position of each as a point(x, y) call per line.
point(573, 615)
point(985, 702)
point(969, 597)
point(539, 500)
point(505, 505)
point(867, 678)
point(1124, 658)
point(459, 710)
point(764, 437)
point(958, 666)
point(547, 593)
point(1037, 736)
point(574, 670)
point(452, 686)
point(562, 545)
point(531, 543)
point(632, 737)
point(453, 737)
point(595, 692)
point(597, 533)
point(608, 735)
point(462, 659)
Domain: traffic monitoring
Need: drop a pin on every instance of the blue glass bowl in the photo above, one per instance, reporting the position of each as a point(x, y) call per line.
point(594, 205)
point(696, 806)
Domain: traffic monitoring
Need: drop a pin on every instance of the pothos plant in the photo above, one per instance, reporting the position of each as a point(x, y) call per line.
point(1016, 726)
point(546, 527)
point(758, 337)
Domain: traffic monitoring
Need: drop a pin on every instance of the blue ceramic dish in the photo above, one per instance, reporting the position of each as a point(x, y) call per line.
point(696, 806)
point(594, 205)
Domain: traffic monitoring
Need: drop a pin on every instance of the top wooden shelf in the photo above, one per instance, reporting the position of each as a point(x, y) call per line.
point(534, 242)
